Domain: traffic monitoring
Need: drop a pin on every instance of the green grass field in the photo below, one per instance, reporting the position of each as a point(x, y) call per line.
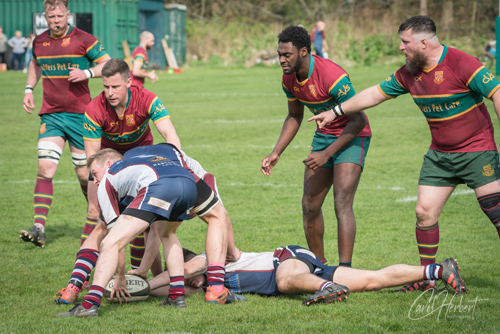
point(229, 119)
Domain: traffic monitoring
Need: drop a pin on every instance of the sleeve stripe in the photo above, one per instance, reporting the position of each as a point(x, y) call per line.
point(100, 58)
point(493, 91)
point(161, 119)
point(151, 105)
point(91, 139)
point(90, 47)
point(336, 82)
point(383, 93)
point(92, 121)
point(474, 74)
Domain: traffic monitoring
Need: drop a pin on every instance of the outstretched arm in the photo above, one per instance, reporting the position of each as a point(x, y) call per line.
point(167, 130)
point(368, 98)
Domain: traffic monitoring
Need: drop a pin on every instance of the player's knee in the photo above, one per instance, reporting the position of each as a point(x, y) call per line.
point(283, 284)
point(50, 151)
point(490, 204)
point(424, 218)
point(79, 160)
point(309, 208)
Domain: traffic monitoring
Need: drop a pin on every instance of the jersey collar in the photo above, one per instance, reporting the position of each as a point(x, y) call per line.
point(311, 69)
point(69, 31)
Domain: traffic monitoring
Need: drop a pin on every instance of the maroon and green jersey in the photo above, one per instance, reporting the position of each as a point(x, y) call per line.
point(129, 130)
point(326, 86)
point(139, 55)
point(450, 95)
point(55, 56)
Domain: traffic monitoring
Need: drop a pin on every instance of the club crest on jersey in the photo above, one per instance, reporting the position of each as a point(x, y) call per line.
point(43, 128)
point(488, 170)
point(65, 42)
point(438, 77)
point(312, 90)
point(156, 159)
point(130, 120)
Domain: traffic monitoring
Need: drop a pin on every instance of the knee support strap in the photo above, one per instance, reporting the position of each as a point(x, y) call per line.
point(491, 206)
point(48, 150)
point(79, 159)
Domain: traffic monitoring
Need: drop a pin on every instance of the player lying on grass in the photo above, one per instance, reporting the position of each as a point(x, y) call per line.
point(154, 184)
point(209, 208)
point(293, 269)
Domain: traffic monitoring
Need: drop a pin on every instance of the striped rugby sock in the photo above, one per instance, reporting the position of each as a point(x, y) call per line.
point(433, 272)
point(215, 276)
point(89, 227)
point(176, 287)
point(42, 198)
point(428, 243)
point(137, 248)
point(93, 297)
point(85, 262)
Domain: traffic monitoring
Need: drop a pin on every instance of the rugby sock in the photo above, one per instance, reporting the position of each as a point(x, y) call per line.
point(137, 249)
point(433, 272)
point(215, 276)
point(325, 285)
point(324, 261)
point(43, 195)
point(85, 262)
point(490, 204)
point(84, 191)
point(428, 243)
point(89, 227)
point(93, 297)
point(345, 264)
point(497, 225)
point(176, 287)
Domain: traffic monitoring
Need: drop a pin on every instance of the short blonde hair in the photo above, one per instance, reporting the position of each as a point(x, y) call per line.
point(107, 154)
point(51, 4)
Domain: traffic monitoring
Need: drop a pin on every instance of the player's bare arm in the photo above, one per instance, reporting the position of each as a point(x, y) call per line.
point(34, 74)
point(496, 102)
point(288, 132)
point(91, 147)
point(367, 98)
point(77, 75)
point(167, 130)
point(357, 122)
point(139, 73)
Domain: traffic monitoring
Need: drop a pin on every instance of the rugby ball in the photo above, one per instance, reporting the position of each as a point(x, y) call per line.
point(137, 286)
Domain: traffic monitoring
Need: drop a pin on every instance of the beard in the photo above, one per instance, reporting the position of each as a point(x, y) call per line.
point(416, 63)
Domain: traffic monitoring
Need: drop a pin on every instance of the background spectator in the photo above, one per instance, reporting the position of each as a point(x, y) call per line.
point(17, 43)
point(3, 47)
point(29, 53)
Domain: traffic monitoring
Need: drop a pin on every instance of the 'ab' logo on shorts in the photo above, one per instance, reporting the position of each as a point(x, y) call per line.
point(488, 170)
point(43, 128)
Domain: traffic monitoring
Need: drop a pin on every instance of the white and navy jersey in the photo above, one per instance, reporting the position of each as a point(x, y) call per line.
point(128, 178)
point(256, 272)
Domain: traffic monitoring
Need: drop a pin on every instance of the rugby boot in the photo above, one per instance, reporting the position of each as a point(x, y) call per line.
point(67, 295)
point(418, 286)
point(80, 312)
point(179, 302)
point(225, 297)
point(451, 277)
point(34, 235)
point(333, 293)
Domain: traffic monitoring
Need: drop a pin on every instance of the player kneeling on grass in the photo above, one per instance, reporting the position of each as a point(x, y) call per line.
point(155, 188)
point(293, 269)
point(219, 241)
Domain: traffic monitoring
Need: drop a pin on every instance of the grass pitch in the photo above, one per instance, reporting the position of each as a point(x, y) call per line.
point(229, 119)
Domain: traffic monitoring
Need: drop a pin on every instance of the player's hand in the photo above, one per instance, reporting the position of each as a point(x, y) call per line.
point(268, 163)
point(138, 273)
point(152, 76)
point(316, 160)
point(323, 119)
point(28, 103)
point(120, 289)
point(196, 282)
point(76, 75)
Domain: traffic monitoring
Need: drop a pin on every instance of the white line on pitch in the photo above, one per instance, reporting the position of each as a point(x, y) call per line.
point(455, 193)
point(33, 181)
